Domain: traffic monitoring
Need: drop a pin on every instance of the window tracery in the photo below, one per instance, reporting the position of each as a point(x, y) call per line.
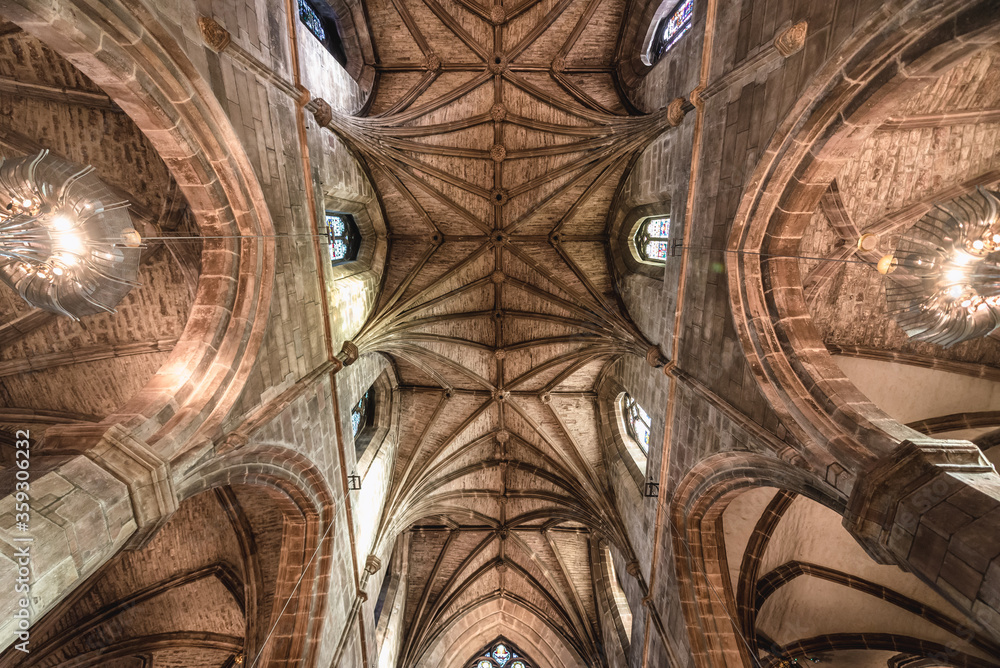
point(652, 239)
point(500, 655)
point(343, 237)
point(637, 422)
point(671, 29)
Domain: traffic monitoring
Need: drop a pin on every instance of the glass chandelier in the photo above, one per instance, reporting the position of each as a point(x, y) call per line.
point(944, 286)
point(67, 244)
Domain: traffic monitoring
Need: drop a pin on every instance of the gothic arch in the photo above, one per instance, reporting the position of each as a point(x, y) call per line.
point(299, 491)
point(698, 502)
point(900, 51)
point(125, 50)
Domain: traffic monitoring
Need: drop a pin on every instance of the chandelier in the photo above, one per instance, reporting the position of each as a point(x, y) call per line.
point(67, 244)
point(945, 272)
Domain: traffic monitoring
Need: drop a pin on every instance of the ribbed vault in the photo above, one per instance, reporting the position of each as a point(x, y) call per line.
point(497, 140)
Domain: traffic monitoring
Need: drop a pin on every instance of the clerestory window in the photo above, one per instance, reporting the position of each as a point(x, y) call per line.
point(363, 421)
point(652, 239)
point(343, 237)
point(637, 423)
point(671, 29)
point(319, 19)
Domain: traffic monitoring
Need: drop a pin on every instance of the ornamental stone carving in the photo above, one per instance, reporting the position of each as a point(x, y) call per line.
point(215, 36)
point(676, 111)
point(322, 112)
point(791, 39)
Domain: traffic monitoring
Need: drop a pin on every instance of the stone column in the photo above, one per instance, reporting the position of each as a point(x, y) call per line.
point(933, 508)
point(79, 515)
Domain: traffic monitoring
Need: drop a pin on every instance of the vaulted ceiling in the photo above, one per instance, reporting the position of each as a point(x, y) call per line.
point(497, 139)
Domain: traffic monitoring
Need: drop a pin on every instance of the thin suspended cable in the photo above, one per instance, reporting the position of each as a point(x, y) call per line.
point(277, 619)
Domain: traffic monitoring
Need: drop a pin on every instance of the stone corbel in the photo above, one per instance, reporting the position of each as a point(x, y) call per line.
point(322, 111)
point(349, 353)
point(216, 37)
point(146, 476)
point(791, 39)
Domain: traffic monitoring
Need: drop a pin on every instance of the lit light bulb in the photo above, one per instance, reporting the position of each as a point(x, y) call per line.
point(955, 275)
point(955, 291)
point(68, 260)
point(967, 303)
point(58, 271)
point(71, 243)
point(27, 203)
point(62, 224)
point(996, 238)
point(978, 244)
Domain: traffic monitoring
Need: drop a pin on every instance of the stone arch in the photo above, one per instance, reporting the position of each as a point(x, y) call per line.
point(490, 617)
point(896, 54)
point(698, 502)
point(300, 492)
point(126, 51)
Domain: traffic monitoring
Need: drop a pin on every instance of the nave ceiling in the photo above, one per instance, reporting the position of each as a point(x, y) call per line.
point(496, 139)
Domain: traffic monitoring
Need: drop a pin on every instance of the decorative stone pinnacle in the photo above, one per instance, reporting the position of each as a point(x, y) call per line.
point(791, 39)
point(216, 37)
point(322, 112)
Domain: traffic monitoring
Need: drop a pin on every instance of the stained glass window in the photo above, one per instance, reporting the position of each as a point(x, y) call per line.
point(343, 237)
point(671, 29)
point(499, 654)
point(361, 412)
point(636, 422)
point(652, 239)
point(319, 18)
point(309, 16)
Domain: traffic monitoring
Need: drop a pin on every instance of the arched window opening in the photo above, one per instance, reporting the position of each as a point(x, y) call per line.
point(671, 29)
point(363, 421)
point(652, 239)
point(384, 590)
point(637, 422)
point(319, 19)
point(618, 598)
point(500, 654)
point(343, 237)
